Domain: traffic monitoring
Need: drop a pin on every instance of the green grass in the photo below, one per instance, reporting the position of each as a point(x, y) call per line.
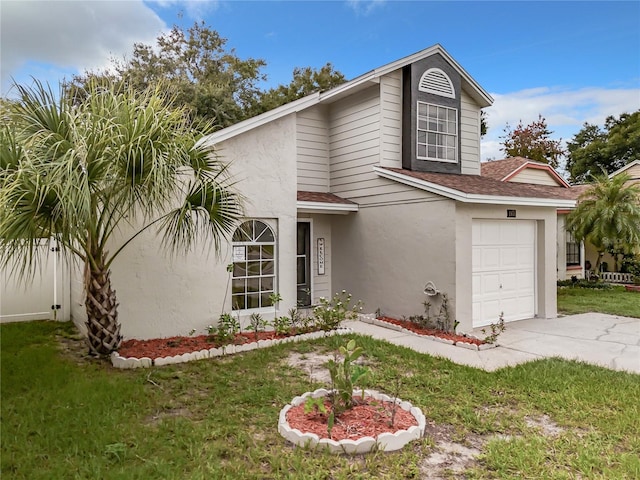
point(615, 301)
point(62, 417)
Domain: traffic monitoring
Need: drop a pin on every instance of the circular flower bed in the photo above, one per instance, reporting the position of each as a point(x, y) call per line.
point(365, 427)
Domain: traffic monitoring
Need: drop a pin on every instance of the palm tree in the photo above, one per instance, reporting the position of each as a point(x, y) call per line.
point(75, 172)
point(608, 216)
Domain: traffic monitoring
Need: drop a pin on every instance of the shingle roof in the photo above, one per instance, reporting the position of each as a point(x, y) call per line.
point(481, 185)
point(320, 197)
point(499, 169)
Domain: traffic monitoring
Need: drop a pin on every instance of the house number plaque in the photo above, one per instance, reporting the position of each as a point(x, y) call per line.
point(320, 251)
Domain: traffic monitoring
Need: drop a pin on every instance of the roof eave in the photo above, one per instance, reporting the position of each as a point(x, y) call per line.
point(474, 198)
point(325, 207)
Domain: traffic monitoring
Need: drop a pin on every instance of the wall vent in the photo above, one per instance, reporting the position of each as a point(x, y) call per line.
point(437, 82)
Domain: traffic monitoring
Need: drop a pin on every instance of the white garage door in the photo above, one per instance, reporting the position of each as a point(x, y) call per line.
point(503, 270)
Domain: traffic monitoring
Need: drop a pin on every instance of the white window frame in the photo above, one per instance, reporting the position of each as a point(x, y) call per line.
point(237, 273)
point(429, 132)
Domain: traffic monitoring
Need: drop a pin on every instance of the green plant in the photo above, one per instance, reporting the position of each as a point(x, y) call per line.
point(496, 329)
point(344, 375)
point(79, 168)
point(227, 329)
point(274, 298)
point(294, 317)
point(314, 405)
point(282, 325)
point(329, 314)
point(257, 324)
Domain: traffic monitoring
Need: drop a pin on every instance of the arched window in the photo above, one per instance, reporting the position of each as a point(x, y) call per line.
point(437, 82)
point(254, 271)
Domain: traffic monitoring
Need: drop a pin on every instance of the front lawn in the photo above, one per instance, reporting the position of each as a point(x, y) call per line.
point(615, 301)
point(66, 416)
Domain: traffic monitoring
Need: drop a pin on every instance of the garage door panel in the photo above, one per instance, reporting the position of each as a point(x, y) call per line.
point(508, 257)
point(503, 270)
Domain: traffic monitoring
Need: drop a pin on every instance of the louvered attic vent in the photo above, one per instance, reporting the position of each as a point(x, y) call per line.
point(437, 82)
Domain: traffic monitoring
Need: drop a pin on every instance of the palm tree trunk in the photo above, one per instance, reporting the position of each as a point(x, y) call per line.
point(103, 329)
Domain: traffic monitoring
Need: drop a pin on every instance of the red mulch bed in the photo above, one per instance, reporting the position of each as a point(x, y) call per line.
point(368, 419)
point(171, 346)
point(427, 331)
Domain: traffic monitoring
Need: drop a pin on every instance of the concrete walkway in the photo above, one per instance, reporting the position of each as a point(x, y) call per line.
point(605, 340)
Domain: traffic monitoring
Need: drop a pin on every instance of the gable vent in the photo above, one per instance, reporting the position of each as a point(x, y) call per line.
point(437, 82)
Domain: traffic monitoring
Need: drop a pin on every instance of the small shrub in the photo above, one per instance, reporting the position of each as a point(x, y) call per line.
point(227, 329)
point(496, 330)
point(582, 283)
point(344, 375)
point(282, 325)
point(257, 324)
point(331, 313)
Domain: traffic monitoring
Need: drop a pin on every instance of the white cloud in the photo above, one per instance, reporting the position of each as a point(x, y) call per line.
point(565, 111)
point(365, 7)
point(72, 35)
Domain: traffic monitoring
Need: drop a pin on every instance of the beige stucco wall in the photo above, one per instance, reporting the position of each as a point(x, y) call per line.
point(546, 259)
point(162, 295)
point(384, 255)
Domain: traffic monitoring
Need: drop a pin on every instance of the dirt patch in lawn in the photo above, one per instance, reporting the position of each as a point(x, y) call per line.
point(75, 348)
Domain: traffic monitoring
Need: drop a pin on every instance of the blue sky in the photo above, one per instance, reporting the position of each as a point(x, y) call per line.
point(569, 61)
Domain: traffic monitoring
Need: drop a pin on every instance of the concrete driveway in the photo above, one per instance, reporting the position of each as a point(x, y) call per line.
point(606, 340)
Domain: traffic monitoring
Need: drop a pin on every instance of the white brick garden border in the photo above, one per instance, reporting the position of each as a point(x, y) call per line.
point(371, 319)
point(387, 442)
point(146, 362)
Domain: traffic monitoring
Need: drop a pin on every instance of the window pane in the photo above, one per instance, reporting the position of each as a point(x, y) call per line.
point(253, 284)
point(433, 125)
point(267, 267)
point(451, 154)
point(440, 152)
point(422, 124)
point(432, 139)
point(238, 285)
point(440, 140)
point(422, 151)
point(266, 284)
point(442, 113)
point(433, 111)
point(431, 152)
point(266, 302)
point(451, 141)
point(239, 269)
point(451, 127)
point(422, 137)
point(422, 109)
point(253, 252)
point(237, 302)
point(253, 269)
point(253, 300)
point(451, 115)
point(302, 270)
point(267, 251)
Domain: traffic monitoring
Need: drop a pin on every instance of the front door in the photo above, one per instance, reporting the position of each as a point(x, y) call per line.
point(304, 264)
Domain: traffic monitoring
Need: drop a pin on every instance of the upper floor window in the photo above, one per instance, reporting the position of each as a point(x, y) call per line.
point(254, 272)
point(437, 82)
point(437, 137)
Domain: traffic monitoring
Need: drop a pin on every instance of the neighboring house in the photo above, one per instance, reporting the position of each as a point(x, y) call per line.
point(573, 258)
point(591, 254)
point(373, 187)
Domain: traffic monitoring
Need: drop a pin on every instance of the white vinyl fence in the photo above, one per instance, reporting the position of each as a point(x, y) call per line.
point(43, 297)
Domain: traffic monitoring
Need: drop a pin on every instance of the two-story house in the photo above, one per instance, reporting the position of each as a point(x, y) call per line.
point(373, 187)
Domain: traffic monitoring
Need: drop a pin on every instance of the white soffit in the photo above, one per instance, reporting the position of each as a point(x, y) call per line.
point(325, 207)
